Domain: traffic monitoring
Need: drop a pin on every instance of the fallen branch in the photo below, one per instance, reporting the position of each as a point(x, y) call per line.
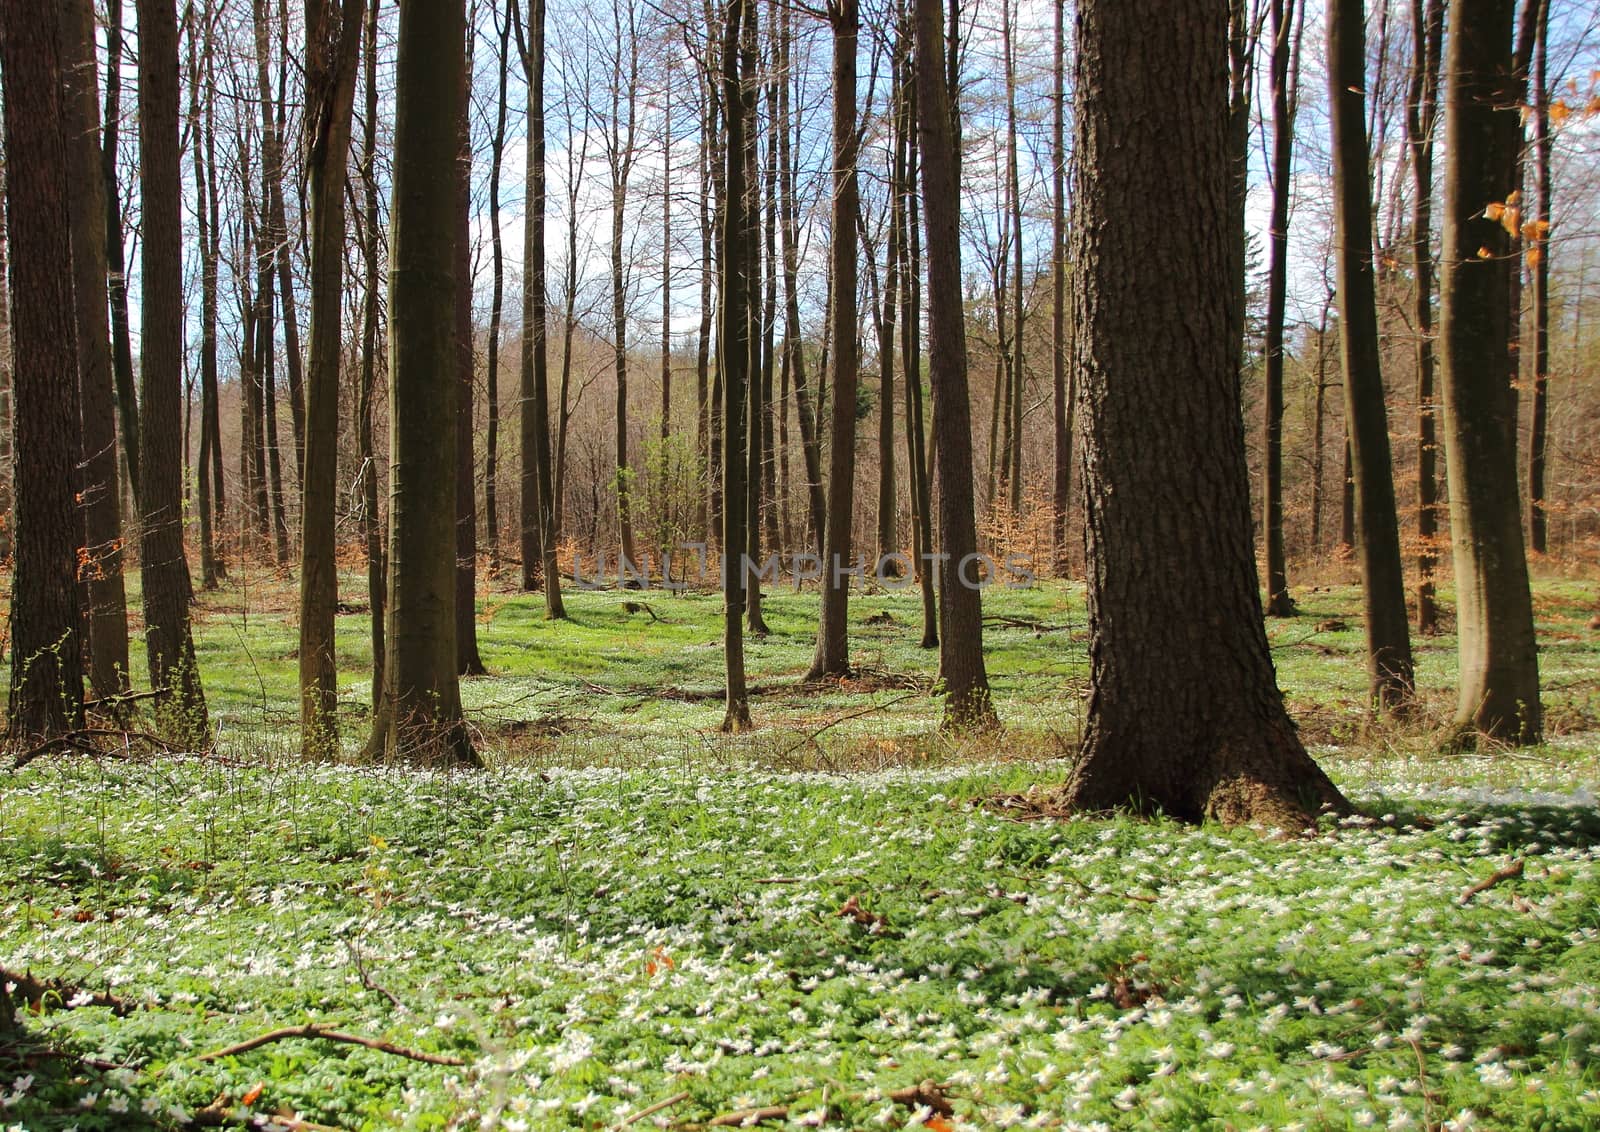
point(82, 740)
point(929, 1093)
point(324, 1032)
point(846, 718)
point(1499, 876)
point(659, 1106)
point(747, 1116)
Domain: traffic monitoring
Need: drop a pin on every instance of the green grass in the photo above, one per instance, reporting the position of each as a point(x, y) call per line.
point(630, 907)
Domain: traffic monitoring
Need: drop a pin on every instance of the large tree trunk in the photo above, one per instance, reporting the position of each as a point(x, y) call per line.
point(100, 569)
point(832, 656)
point(419, 719)
point(1422, 114)
point(911, 344)
point(46, 696)
point(164, 571)
point(1390, 679)
point(968, 704)
point(1185, 716)
point(333, 37)
point(1499, 660)
point(1279, 603)
point(738, 62)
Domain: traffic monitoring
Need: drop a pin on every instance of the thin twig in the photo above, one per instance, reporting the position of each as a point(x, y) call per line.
point(1510, 872)
point(322, 1031)
point(675, 1098)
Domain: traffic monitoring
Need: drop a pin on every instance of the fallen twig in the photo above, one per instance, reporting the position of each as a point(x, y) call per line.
point(659, 1106)
point(324, 1032)
point(746, 1116)
point(846, 718)
point(1510, 872)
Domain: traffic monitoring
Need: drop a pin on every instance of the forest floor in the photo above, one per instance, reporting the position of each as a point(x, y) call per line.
point(632, 921)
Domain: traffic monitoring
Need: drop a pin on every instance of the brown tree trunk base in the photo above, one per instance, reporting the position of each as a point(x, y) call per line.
point(1264, 778)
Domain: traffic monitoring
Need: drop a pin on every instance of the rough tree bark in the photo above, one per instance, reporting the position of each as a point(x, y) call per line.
point(1499, 659)
point(1062, 387)
point(1185, 716)
point(46, 697)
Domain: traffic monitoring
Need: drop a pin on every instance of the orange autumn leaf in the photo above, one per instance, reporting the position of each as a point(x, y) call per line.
point(1494, 210)
point(254, 1094)
point(1485, 253)
point(1535, 229)
point(1534, 255)
point(1514, 199)
point(1511, 220)
point(938, 1124)
point(1560, 111)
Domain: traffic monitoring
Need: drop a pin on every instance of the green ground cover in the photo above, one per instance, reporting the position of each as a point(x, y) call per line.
point(833, 916)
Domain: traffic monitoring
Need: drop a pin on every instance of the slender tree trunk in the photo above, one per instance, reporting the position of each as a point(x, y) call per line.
point(1014, 195)
point(468, 662)
point(911, 340)
point(705, 443)
point(1390, 679)
point(1060, 345)
point(832, 657)
point(164, 570)
point(757, 388)
point(1318, 427)
point(419, 719)
point(201, 133)
point(888, 535)
point(968, 704)
point(333, 38)
point(491, 444)
point(100, 568)
point(46, 698)
point(1242, 35)
point(1538, 257)
point(1185, 715)
point(1422, 113)
point(372, 527)
point(620, 153)
point(1499, 660)
point(117, 280)
point(535, 414)
point(1279, 603)
point(530, 525)
point(738, 63)
point(805, 407)
point(7, 389)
